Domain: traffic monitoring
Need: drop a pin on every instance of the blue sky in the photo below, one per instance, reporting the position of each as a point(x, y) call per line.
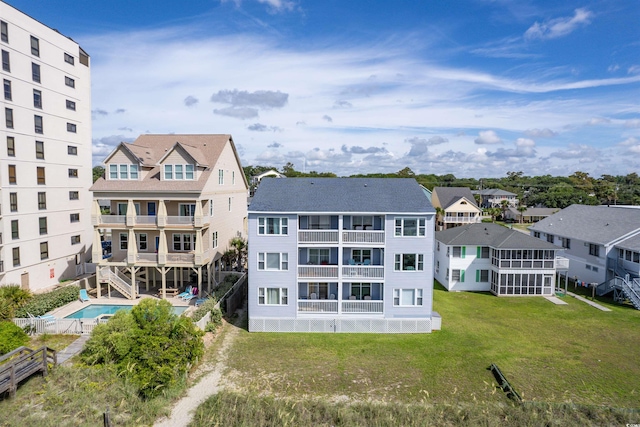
point(475, 88)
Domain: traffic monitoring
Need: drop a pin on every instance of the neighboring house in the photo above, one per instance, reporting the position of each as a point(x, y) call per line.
point(490, 257)
point(458, 207)
point(341, 255)
point(175, 202)
point(255, 180)
point(529, 215)
point(493, 197)
point(45, 162)
point(601, 242)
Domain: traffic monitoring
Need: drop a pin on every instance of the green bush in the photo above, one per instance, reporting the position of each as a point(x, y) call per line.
point(42, 303)
point(150, 346)
point(208, 305)
point(11, 337)
point(11, 298)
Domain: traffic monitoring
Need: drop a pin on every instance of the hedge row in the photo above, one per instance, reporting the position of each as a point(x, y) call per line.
point(43, 303)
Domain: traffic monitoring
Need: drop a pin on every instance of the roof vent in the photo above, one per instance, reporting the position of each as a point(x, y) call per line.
point(365, 185)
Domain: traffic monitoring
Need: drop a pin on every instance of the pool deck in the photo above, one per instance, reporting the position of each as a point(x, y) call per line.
point(72, 307)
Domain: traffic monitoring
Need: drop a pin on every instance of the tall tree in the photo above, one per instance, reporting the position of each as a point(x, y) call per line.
point(98, 171)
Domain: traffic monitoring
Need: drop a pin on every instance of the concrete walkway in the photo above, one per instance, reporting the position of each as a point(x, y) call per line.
point(73, 349)
point(591, 303)
point(556, 300)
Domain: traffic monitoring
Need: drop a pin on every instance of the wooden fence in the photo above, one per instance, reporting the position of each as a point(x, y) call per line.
point(59, 326)
point(21, 363)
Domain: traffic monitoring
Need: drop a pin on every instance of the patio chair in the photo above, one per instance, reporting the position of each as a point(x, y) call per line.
point(84, 297)
point(191, 295)
point(352, 261)
point(313, 296)
point(186, 292)
point(367, 297)
point(367, 261)
point(352, 297)
point(332, 296)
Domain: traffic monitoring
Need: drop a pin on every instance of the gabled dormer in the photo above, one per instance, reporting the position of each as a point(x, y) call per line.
point(122, 164)
point(181, 163)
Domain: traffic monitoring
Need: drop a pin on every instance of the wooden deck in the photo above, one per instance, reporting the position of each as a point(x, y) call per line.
point(21, 363)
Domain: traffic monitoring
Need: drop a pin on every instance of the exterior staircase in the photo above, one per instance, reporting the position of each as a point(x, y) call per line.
point(116, 279)
point(624, 287)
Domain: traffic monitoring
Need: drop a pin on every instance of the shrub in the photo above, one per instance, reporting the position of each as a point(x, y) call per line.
point(208, 305)
point(12, 297)
point(150, 346)
point(42, 303)
point(11, 337)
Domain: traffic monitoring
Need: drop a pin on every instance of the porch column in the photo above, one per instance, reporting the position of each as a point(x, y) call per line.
point(162, 213)
point(163, 272)
point(96, 216)
point(134, 288)
point(198, 252)
point(132, 248)
point(146, 278)
point(96, 251)
point(340, 262)
point(162, 248)
point(131, 213)
point(197, 218)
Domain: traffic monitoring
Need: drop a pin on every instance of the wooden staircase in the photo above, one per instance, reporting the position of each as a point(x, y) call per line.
point(117, 280)
point(21, 363)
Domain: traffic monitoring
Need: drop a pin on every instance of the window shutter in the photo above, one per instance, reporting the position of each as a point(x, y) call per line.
point(463, 252)
point(462, 275)
point(477, 273)
point(478, 251)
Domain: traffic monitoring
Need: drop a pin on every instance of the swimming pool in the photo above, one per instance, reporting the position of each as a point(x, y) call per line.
point(97, 310)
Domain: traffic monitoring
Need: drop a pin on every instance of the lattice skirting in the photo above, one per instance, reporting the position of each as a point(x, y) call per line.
point(380, 326)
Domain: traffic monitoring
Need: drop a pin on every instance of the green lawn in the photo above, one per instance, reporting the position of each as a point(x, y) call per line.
point(551, 353)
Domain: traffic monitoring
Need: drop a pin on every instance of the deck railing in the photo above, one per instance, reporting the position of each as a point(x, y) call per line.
point(366, 306)
point(180, 220)
point(462, 219)
point(318, 306)
point(147, 257)
point(112, 219)
point(363, 271)
point(176, 257)
point(318, 271)
point(365, 236)
point(318, 236)
point(146, 219)
point(59, 326)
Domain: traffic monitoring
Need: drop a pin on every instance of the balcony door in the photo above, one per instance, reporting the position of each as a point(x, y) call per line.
point(187, 209)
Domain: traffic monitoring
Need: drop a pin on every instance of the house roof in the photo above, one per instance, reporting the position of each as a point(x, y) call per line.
point(595, 224)
point(150, 149)
point(376, 195)
point(494, 235)
point(450, 195)
point(493, 192)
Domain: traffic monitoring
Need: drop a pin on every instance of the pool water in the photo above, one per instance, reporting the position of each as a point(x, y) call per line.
point(96, 310)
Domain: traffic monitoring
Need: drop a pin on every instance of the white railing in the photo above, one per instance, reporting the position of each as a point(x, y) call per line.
point(146, 219)
point(147, 257)
point(180, 220)
point(315, 271)
point(562, 263)
point(202, 323)
point(115, 279)
point(366, 306)
point(59, 326)
point(462, 219)
point(318, 306)
point(176, 257)
point(112, 219)
point(543, 264)
point(318, 236)
point(374, 236)
point(363, 271)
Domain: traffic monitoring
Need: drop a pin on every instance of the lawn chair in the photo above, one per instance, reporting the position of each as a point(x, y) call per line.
point(84, 297)
point(191, 295)
point(186, 292)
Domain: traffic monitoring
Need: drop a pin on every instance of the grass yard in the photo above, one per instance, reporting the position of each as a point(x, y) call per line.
point(53, 341)
point(550, 353)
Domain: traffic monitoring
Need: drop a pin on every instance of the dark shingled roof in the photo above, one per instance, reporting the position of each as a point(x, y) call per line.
point(595, 224)
point(449, 195)
point(494, 235)
point(376, 195)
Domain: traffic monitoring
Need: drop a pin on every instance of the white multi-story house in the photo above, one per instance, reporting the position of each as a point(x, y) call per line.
point(175, 202)
point(45, 168)
point(456, 206)
point(490, 257)
point(494, 197)
point(341, 255)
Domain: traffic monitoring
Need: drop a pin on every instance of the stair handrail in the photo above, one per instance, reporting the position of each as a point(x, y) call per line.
point(631, 293)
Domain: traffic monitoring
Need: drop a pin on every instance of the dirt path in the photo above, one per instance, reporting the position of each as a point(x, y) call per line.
point(210, 384)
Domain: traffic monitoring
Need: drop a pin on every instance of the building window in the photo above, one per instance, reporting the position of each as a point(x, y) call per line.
point(69, 81)
point(594, 249)
point(84, 58)
point(318, 256)
point(71, 105)
point(13, 202)
point(4, 31)
point(178, 172)
point(74, 195)
point(536, 234)
point(6, 63)
point(233, 177)
point(42, 222)
point(168, 171)
point(187, 209)
point(230, 204)
point(68, 59)
point(11, 146)
point(410, 227)
point(35, 72)
point(482, 276)
point(211, 208)
point(12, 174)
point(360, 256)
point(72, 128)
point(457, 251)
point(7, 90)
point(268, 225)
point(35, 46)
point(214, 239)
point(42, 200)
point(39, 150)
point(483, 251)
point(273, 261)
point(40, 175)
point(142, 242)
point(38, 127)
point(74, 217)
point(37, 99)
point(122, 171)
point(15, 231)
point(409, 262)
point(183, 242)
point(8, 116)
point(357, 290)
point(44, 250)
point(272, 296)
point(73, 173)
point(75, 240)
point(71, 150)
point(16, 257)
point(457, 275)
point(124, 241)
point(189, 172)
point(407, 297)
point(566, 243)
point(220, 176)
point(550, 238)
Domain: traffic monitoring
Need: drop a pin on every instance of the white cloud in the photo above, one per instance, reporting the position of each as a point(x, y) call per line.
point(598, 121)
point(259, 98)
point(634, 69)
point(488, 137)
point(190, 101)
point(632, 123)
point(541, 133)
point(613, 68)
point(237, 112)
point(279, 5)
point(559, 27)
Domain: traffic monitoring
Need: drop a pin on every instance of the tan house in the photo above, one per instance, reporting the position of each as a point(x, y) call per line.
point(174, 201)
point(455, 206)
